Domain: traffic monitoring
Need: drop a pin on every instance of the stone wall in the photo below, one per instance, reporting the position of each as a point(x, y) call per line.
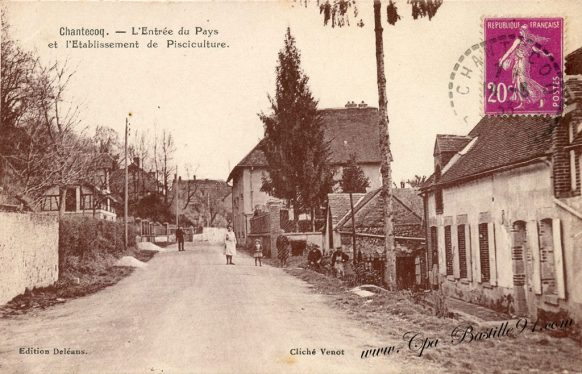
point(29, 252)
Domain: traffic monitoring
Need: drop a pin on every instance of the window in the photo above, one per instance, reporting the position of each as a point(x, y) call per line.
point(461, 241)
point(448, 250)
point(484, 252)
point(439, 201)
point(547, 263)
point(434, 246)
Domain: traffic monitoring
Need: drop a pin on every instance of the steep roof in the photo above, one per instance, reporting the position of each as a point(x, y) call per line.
point(339, 204)
point(574, 62)
point(502, 141)
point(346, 129)
point(369, 213)
point(450, 143)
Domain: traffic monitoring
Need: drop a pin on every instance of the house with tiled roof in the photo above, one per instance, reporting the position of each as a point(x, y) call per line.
point(90, 197)
point(409, 235)
point(338, 204)
point(504, 212)
point(352, 129)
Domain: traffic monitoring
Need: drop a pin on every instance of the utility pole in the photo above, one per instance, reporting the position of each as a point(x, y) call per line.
point(176, 197)
point(126, 194)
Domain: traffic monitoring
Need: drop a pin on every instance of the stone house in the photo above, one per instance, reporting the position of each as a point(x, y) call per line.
point(92, 197)
point(338, 204)
point(349, 129)
point(504, 211)
point(409, 233)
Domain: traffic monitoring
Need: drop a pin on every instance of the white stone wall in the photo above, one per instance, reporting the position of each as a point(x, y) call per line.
point(29, 252)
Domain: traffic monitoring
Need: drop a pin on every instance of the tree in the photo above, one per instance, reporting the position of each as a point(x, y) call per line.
point(294, 146)
point(40, 148)
point(167, 148)
point(353, 178)
point(417, 181)
point(338, 12)
point(354, 181)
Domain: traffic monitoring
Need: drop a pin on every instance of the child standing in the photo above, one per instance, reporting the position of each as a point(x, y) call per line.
point(258, 255)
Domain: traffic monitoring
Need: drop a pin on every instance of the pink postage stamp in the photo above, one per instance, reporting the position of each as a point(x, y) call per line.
point(523, 66)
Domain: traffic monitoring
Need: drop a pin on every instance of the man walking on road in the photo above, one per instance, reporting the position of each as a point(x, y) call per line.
point(180, 238)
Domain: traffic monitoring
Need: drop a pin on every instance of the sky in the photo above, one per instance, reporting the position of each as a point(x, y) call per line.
point(209, 98)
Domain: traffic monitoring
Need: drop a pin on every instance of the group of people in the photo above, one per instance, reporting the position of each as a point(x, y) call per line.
point(314, 258)
point(230, 248)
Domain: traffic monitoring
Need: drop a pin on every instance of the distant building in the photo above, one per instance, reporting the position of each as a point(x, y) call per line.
point(202, 201)
point(91, 198)
point(141, 183)
point(504, 212)
point(350, 129)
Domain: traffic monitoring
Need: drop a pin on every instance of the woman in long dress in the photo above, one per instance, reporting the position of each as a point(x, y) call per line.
point(229, 245)
point(525, 88)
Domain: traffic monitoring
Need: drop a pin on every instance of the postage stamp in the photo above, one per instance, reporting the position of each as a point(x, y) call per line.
point(526, 75)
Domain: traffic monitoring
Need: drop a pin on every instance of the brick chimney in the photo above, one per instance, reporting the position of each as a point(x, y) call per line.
point(136, 161)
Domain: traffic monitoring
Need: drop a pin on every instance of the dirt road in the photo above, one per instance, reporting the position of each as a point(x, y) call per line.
point(188, 312)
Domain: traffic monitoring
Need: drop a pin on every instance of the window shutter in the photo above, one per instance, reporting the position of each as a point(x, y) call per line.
point(492, 255)
point(534, 240)
point(558, 260)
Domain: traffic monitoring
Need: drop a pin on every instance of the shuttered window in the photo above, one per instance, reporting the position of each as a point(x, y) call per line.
point(462, 251)
point(484, 252)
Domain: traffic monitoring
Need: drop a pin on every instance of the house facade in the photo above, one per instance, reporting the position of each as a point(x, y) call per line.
point(91, 198)
point(409, 235)
point(349, 129)
point(504, 212)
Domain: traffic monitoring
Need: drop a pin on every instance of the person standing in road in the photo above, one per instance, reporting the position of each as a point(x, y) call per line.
point(229, 245)
point(258, 255)
point(180, 238)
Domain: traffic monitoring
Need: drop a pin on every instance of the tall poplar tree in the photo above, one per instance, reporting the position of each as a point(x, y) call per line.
point(294, 145)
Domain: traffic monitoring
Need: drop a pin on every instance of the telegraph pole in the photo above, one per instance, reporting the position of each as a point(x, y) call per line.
point(176, 197)
point(126, 194)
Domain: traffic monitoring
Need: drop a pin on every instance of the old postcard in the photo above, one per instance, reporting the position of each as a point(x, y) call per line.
point(291, 186)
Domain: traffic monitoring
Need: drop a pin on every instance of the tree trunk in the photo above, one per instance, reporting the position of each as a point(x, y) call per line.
point(385, 169)
point(355, 259)
point(312, 219)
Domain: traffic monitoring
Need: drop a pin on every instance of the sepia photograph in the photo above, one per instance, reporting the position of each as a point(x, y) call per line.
point(357, 186)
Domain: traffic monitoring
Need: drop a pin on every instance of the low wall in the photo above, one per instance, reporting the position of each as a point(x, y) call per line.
point(315, 238)
point(29, 252)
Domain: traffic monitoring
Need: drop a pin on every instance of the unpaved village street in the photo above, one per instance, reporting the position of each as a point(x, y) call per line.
point(188, 312)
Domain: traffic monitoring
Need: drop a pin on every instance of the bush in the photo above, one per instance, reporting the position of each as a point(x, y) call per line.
point(84, 240)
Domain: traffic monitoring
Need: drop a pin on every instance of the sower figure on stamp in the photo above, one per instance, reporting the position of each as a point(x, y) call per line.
point(258, 252)
point(282, 249)
point(180, 238)
point(517, 57)
point(229, 245)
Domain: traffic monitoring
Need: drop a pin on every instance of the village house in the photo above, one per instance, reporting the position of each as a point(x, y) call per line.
point(409, 235)
point(352, 129)
point(92, 197)
point(141, 183)
point(338, 204)
point(202, 201)
point(504, 211)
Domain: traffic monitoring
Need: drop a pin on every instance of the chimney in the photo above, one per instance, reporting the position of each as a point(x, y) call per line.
point(362, 104)
point(136, 161)
point(351, 104)
point(402, 184)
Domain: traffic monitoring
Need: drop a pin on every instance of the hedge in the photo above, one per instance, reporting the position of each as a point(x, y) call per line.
point(87, 237)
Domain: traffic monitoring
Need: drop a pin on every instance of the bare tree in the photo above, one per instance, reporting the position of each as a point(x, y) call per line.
point(40, 147)
point(166, 156)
